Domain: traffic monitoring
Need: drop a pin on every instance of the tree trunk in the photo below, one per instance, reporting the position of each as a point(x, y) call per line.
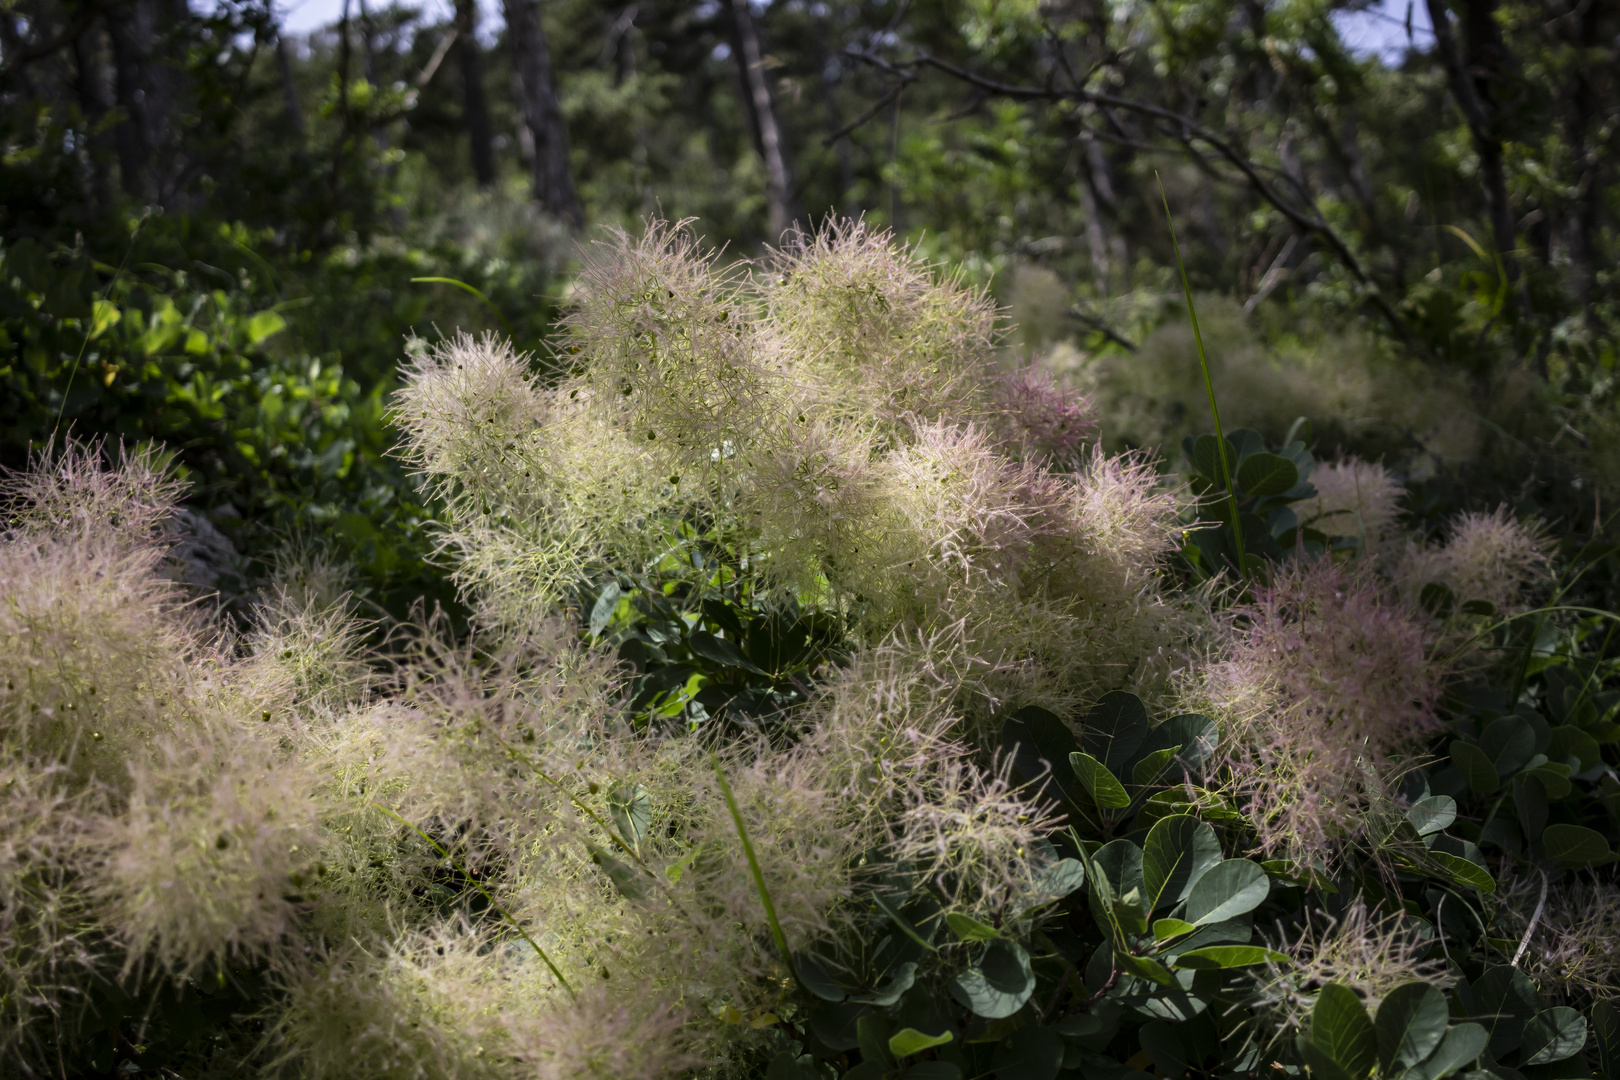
point(1470, 71)
point(474, 106)
point(293, 110)
point(780, 201)
point(551, 175)
point(90, 85)
point(130, 28)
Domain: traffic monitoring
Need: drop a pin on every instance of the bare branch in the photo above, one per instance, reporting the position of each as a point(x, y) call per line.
point(1187, 129)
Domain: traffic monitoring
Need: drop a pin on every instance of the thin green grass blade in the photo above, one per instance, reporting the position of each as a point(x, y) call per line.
point(753, 867)
point(1209, 387)
point(85, 344)
point(463, 285)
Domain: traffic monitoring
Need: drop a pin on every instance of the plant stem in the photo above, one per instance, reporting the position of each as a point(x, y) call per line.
point(541, 953)
point(753, 866)
point(1209, 387)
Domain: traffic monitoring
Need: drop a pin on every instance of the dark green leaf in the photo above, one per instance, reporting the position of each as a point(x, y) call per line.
point(720, 651)
point(1606, 1029)
point(1509, 741)
point(785, 1066)
point(1342, 1030)
point(1264, 474)
point(1464, 871)
point(631, 810)
point(1554, 1035)
point(906, 927)
point(933, 1070)
point(1031, 1053)
point(1206, 458)
point(1039, 744)
point(814, 977)
point(1177, 852)
point(1195, 735)
point(872, 1032)
point(1476, 768)
point(1103, 787)
point(1576, 845)
point(905, 975)
point(630, 883)
point(1432, 814)
point(1410, 1023)
point(1227, 890)
point(1569, 741)
point(1144, 967)
point(607, 601)
point(1061, 878)
point(1460, 1046)
point(1508, 998)
point(1165, 929)
point(1115, 729)
point(1150, 767)
point(999, 985)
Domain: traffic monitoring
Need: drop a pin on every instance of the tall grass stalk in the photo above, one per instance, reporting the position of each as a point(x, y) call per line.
point(1209, 387)
point(753, 868)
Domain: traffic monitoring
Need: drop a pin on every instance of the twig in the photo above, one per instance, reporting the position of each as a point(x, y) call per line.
point(1189, 129)
point(1524, 942)
point(1102, 328)
point(877, 106)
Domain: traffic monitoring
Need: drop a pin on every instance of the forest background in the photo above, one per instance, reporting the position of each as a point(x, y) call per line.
point(214, 230)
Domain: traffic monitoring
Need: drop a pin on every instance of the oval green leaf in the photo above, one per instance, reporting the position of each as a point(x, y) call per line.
point(1575, 845)
point(1410, 1023)
point(908, 1041)
point(1554, 1035)
point(1464, 872)
point(1220, 957)
point(1103, 786)
point(1343, 1032)
point(1229, 889)
point(1477, 770)
point(1263, 474)
point(1177, 852)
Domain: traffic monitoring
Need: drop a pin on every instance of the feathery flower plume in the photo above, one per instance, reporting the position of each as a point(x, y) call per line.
point(1370, 951)
point(1353, 498)
point(1491, 557)
point(1326, 686)
point(207, 861)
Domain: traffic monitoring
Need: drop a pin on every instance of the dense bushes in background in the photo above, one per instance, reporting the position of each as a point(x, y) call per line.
point(268, 379)
point(835, 706)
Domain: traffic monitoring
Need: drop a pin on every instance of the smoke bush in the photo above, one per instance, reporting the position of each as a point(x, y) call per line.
point(503, 856)
point(1486, 556)
point(1327, 688)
